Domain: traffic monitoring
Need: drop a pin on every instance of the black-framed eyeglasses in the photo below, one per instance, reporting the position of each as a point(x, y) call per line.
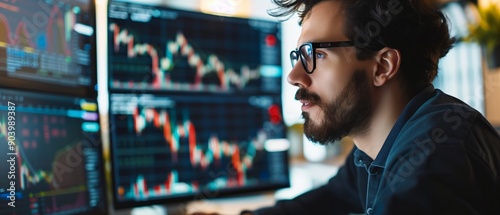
point(307, 52)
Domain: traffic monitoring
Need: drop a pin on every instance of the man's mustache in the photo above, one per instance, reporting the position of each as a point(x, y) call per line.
point(303, 94)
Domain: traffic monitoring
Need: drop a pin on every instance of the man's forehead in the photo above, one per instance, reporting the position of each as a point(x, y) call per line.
point(327, 10)
point(324, 22)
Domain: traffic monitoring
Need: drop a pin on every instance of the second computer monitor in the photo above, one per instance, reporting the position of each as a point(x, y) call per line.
point(195, 105)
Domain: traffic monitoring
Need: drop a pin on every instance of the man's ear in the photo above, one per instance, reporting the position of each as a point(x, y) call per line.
point(388, 62)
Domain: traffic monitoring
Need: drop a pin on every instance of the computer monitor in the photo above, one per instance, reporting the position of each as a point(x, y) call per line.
point(49, 122)
point(194, 105)
point(48, 45)
point(51, 154)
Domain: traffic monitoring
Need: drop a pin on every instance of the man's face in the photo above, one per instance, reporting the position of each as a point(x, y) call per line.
point(349, 112)
point(336, 97)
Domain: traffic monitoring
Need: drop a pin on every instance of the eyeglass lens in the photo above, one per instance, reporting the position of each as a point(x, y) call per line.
point(294, 57)
point(306, 54)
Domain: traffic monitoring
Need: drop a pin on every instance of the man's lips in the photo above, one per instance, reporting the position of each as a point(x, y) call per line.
point(306, 104)
point(308, 100)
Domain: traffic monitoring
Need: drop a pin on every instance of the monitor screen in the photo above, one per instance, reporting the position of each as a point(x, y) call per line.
point(48, 45)
point(194, 105)
point(153, 48)
point(51, 155)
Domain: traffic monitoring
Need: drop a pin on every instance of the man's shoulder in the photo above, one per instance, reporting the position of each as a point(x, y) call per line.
point(444, 114)
point(442, 121)
point(438, 147)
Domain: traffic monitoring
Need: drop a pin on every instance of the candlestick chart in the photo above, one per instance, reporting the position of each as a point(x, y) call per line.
point(173, 50)
point(177, 145)
point(47, 41)
point(55, 162)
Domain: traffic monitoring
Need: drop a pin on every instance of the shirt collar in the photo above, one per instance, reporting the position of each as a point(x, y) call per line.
point(360, 158)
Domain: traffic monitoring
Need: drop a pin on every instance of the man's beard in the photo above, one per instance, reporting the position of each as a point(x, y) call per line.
point(349, 114)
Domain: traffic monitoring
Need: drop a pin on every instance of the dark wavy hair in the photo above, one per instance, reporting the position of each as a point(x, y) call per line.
point(417, 28)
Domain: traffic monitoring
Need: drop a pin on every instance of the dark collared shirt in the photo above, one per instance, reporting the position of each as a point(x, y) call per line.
point(441, 157)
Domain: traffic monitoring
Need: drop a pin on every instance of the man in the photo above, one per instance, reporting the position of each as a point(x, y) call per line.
point(364, 69)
